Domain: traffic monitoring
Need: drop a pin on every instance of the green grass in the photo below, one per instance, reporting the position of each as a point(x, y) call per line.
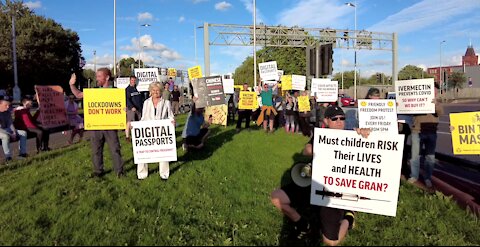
point(217, 197)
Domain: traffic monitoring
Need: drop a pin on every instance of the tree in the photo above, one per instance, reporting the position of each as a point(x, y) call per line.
point(125, 66)
point(347, 79)
point(89, 75)
point(412, 72)
point(47, 53)
point(456, 80)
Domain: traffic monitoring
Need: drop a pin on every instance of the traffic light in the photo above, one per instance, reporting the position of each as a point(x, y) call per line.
point(326, 56)
point(378, 77)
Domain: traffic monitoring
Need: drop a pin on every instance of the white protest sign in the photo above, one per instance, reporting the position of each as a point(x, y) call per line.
point(378, 115)
point(228, 86)
point(299, 82)
point(145, 77)
point(280, 73)
point(355, 173)
point(153, 141)
point(415, 96)
point(268, 71)
point(122, 82)
point(327, 90)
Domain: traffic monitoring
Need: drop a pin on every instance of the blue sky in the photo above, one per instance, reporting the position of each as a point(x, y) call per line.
point(421, 26)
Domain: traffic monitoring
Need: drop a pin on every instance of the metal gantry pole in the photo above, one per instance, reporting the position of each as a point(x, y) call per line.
point(206, 49)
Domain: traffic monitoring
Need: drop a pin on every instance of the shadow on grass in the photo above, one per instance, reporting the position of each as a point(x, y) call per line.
point(42, 157)
point(213, 142)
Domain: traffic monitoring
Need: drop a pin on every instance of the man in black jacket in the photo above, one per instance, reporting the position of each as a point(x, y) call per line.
point(134, 104)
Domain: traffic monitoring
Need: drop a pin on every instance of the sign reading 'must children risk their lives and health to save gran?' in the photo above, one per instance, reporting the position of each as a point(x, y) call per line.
point(153, 141)
point(378, 115)
point(104, 108)
point(415, 96)
point(355, 173)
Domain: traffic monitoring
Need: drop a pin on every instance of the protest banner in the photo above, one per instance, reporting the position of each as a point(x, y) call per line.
point(415, 96)
point(172, 72)
point(195, 72)
point(314, 85)
point(299, 82)
point(228, 86)
point(218, 113)
point(51, 106)
point(280, 73)
point(122, 82)
point(327, 90)
point(355, 173)
point(465, 133)
point(215, 95)
point(286, 82)
point(200, 92)
point(268, 71)
point(378, 115)
point(247, 101)
point(163, 71)
point(145, 77)
point(303, 104)
point(153, 141)
point(104, 108)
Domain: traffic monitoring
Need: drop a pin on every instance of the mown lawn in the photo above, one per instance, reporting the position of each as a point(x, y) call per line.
point(217, 197)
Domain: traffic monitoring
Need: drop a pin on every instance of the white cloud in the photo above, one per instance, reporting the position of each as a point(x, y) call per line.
point(144, 16)
point(315, 13)
point(223, 6)
point(33, 5)
point(424, 14)
point(249, 7)
point(151, 52)
point(181, 19)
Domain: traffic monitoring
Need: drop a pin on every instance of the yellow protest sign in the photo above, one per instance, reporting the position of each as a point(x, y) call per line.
point(465, 133)
point(104, 108)
point(172, 72)
point(195, 72)
point(286, 82)
point(303, 104)
point(248, 101)
point(218, 113)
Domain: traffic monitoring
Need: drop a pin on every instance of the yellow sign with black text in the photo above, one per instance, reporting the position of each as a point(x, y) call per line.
point(465, 133)
point(104, 108)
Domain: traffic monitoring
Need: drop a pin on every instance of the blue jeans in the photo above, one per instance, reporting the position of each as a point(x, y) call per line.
point(5, 137)
point(429, 140)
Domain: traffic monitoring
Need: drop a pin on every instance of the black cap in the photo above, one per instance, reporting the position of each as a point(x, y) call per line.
point(333, 111)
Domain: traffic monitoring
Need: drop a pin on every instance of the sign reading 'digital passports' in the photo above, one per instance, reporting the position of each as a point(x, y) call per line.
point(52, 106)
point(104, 108)
point(355, 173)
point(415, 96)
point(153, 141)
point(268, 71)
point(378, 115)
point(145, 77)
point(465, 133)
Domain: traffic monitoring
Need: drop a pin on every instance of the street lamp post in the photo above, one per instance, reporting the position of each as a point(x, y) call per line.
point(441, 75)
point(115, 38)
point(17, 93)
point(138, 35)
point(354, 5)
point(254, 43)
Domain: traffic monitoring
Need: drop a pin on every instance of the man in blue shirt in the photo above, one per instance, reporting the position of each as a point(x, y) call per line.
point(134, 104)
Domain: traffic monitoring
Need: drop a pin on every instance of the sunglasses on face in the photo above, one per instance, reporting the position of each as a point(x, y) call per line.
point(337, 118)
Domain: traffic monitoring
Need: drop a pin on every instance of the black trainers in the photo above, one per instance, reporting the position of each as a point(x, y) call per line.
point(302, 228)
point(97, 175)
point(350, 217)
point(22, 156)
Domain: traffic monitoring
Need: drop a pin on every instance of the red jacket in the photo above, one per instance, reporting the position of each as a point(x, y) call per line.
point(23, 119)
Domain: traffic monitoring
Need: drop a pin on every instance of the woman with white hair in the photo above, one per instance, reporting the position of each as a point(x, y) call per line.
point(156, 108)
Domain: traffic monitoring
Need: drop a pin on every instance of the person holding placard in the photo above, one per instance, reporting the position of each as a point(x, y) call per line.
point(304, 114)
point(424, 133)
point(134, 101)
point(334, 223)
point(99, 137)
point(243, 114)
point(289, 114)
point(156, 108)
point(25, 121)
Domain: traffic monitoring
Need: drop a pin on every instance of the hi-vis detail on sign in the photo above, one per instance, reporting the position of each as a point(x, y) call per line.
point(465, 133)
point(355, 173)
point(268, 71)
point(415, 96)
point(145, 77)
point(378, 115)
point(153, 141)
point(104, 108)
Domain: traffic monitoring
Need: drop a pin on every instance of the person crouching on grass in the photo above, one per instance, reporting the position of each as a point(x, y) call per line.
point(334, 223)
point(196, 128)
point(156, 108)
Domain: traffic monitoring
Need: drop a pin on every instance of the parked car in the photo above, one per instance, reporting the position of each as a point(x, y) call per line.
point(346, 100)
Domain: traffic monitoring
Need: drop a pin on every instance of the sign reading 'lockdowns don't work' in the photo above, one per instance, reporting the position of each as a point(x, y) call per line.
point(104, 108)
